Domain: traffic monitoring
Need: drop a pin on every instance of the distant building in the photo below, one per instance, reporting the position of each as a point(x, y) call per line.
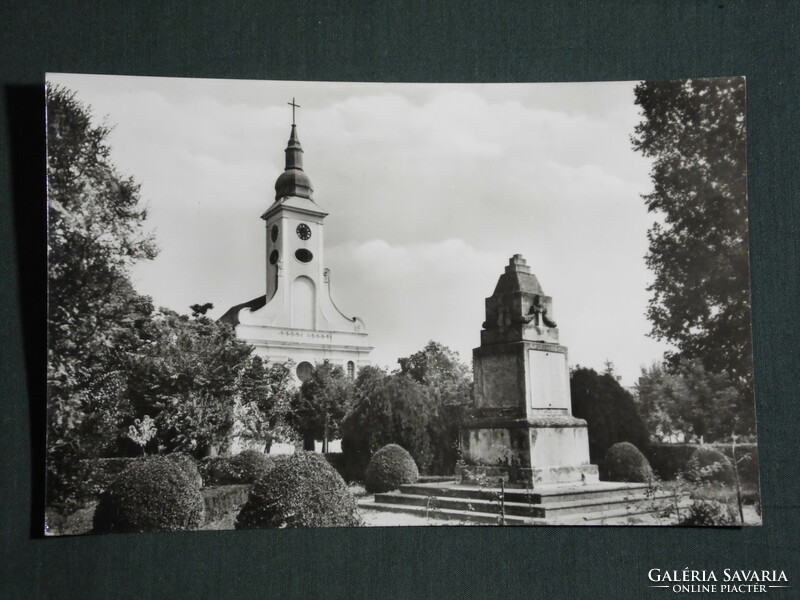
point(296, 320)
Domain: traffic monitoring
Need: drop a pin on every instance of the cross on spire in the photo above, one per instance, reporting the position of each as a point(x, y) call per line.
point(293, 105)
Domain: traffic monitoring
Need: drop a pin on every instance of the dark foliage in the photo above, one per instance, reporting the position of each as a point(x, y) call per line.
point(347, 469)
point(420, 408)
point(301, 491)
point(624, 462)
point(245, 467)
point(686, 399)
point(154, 494)
point(609, 410)
point(708, 465)
point(95, 234)
point(391, 467)
point(387, 409)
point(695, 132)
point(96, 475)
point(189, 466)
point(669, 460)
point(448, 385)
point(321, 404)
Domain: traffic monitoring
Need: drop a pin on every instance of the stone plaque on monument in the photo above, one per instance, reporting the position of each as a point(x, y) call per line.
point(521, 427)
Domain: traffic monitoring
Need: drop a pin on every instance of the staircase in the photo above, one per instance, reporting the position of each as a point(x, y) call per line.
point(602, 503)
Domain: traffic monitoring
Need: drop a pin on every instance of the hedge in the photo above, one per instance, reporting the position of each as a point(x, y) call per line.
point(624, 462)
point(301, 491)
point(668, 460)
point(390, 467)
point(244, 468)
point(153, 494)
point(709, 465)
point(96, 474)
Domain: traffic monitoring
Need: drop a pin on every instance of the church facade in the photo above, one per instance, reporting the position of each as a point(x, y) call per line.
point(296, 319)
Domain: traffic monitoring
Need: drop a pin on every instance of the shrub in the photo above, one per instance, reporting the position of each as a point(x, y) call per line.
point(301, 491)
point(388, 409)
point(245, 467)
point(711, 513)
point(344, 467)
point(97, 474)
point(668, 460)
point(153, 494)
point(189, 467)
point(624, 462)
point(610, 412)
point(389, 468)
point(707, 465)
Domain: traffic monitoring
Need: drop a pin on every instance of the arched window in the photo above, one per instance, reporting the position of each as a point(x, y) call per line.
point(351, 370)
point(304, 370)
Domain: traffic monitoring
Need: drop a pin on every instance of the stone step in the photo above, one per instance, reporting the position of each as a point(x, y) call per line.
point(540, 495)
point(446, 514)
point(627, 502)
point(436, 479)
point(624, 516)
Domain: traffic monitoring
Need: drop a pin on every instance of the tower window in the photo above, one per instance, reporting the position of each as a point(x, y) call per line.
point(304, 255)
point(274, 233)
point(273, 257)
point(351, 370)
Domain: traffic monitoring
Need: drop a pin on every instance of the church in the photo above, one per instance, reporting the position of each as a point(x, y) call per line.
point(297, 320)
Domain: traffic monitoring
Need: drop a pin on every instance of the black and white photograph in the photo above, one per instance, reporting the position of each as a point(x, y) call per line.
point(292, 304)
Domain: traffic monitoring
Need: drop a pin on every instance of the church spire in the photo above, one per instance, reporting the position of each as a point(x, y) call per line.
point(293, 181)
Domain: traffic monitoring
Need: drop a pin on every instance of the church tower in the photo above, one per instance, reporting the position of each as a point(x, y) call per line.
point(296, 319)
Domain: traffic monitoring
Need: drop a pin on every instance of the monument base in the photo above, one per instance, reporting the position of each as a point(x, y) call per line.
point(528, 477)
point(547, 450)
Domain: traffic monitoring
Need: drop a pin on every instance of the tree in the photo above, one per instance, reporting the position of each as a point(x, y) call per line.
point(687, 402)
point(187, 377)
point(320, 405)
point(609, 410)
point(448, 386)
point(95, 234)
point(387, 409)
point(695, 133)
point(265, 394)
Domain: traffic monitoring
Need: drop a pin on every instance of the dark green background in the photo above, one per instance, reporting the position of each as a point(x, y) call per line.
point(400, 41)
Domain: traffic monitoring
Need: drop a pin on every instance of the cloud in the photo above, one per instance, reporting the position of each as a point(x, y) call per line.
point(430, 189)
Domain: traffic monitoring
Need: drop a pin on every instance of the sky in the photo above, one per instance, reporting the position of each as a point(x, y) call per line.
point(431, 188)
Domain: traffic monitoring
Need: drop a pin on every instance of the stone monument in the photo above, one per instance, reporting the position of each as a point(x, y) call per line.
point(521, 427)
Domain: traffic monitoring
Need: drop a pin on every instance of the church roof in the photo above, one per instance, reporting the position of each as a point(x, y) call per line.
point(231, 317)
point(301, 205)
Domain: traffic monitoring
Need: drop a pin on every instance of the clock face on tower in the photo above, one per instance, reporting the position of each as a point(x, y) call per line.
point(303, 231)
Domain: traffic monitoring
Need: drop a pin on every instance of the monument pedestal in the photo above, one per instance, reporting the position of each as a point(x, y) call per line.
point(521, 430)
point(527, 452)
point(521, 427)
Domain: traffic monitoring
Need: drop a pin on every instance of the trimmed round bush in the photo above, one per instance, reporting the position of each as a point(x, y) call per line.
point(301, 491)
point(189, 467)
point(624, 462)
point(389, 468)
point(708, 465)
point(245, 467)
point(153, 494)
